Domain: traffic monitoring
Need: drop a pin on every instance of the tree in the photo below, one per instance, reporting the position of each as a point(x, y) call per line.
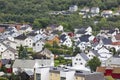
point(22, 52)
point(113, 50)
point(76, 51)
point(93, 63)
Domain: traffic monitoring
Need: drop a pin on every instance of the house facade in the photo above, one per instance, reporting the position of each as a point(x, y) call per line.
point(10, 53)
point(80, 60)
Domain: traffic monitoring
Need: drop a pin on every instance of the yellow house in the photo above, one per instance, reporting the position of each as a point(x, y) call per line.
point(53, 39)
point(54, 75)
point(79, 77)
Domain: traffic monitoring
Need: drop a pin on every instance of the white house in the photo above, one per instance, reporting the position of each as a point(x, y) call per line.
point(73, 8)
point(103, 57)
point(59, 28)
point(82, 46)
point(84, 10)
point(103, 49)
point(10, 43)
point(20, 40)
point(92, 53)
point(67, 74)
point(113, 61)
point(10, 53)
point(38, 46)
point(3, 47)
point(79, 60)
point(42, 73)
point(107, 13)
point(24, 65)
point(83, 31)
point(25, 28)
point(95, 10)
point(29, 42)
point(65, 40)
point(32, 66)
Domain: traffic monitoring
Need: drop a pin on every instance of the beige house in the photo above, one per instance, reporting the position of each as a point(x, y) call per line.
point(54, 75)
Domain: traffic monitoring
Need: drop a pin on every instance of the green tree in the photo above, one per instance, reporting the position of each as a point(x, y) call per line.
point(94, 63)
point(22, 52)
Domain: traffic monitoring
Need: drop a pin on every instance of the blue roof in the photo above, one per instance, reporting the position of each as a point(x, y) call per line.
point(84, 38)
point(107, 41)
point(63, 37)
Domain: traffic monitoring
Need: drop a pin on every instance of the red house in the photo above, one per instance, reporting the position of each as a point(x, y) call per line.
point(114, 72)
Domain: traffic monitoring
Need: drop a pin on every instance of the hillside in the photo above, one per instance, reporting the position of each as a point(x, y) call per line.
point(36, 11)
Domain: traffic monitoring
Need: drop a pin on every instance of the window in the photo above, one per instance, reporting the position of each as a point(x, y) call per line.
point(76, 59)
point(30, 40)
point(26, 40)
point(79, 59)
point(37, 44)
point(38, 76)
point(1, 48)
point(75, 63)
point(89, 55)
point(33, 44)
point(62, 78)
point(10, 54)
point(81, 63)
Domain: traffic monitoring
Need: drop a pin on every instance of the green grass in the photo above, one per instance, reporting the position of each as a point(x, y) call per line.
point(63, 61)
point(109, 78)
point(30, 49)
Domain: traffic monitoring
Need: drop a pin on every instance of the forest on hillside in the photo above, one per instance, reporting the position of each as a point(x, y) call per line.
point(36, 12)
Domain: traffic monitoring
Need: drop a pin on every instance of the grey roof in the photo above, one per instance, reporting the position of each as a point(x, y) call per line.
point(5, 61)
point(84, 38)
point(107, 41)
point(111, 31)
point(46, 52)
point(11, 49)
point(32, 34)
point(94, 76)
point(83, 55)
point(91, 76)
point(44, 62)
point(51, 37)
point(95, 52)
point(81, 30)
point(11, 32)
point(23, 28)
point(4, 44)
point(63, 37)
point(23, 63)
point(21, 37)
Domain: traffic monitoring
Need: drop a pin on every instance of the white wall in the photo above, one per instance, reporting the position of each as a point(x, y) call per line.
point(77, 60)
point(44, 73)
point(69, 75)
point(8, 55)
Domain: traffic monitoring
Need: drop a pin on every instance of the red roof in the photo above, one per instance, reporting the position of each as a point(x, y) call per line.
point(115, 43)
